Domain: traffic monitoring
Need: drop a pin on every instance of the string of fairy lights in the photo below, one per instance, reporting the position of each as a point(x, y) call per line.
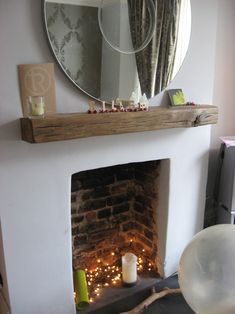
point(105, 275)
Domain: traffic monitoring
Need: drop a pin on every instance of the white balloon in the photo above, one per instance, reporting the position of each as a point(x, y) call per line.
point(207, 271)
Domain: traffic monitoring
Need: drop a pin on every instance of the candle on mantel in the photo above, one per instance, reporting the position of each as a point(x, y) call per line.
point(129, 269)
point(36, 106)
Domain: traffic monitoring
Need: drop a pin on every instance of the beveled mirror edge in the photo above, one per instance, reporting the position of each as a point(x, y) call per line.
point(57, 60)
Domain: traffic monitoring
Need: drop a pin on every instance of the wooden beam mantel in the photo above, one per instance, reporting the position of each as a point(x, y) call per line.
point(60, 127)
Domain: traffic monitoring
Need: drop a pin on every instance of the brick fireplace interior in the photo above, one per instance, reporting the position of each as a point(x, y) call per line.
point(114, 211)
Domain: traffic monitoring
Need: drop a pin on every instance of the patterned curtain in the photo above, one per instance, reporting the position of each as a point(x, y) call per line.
point(155, 62)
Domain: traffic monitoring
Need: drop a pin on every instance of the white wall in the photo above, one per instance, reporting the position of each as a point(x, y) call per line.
point(35, 179)
point(224, 91)
point(224, 81)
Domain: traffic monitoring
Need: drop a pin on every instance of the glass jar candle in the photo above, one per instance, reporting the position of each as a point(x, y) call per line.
point(36, 105)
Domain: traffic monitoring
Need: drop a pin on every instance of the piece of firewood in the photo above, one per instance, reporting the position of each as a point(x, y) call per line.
point(155, 296)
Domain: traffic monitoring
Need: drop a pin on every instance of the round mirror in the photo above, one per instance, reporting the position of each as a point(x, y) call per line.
point(119, 48)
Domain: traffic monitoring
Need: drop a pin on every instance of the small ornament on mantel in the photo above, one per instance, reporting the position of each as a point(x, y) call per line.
point(114, 109)
point(134, 97)
point(119, 105)
point(92, 107)
point(103, 106)
point(190, 103)
point(132, 106)
point(143, 104)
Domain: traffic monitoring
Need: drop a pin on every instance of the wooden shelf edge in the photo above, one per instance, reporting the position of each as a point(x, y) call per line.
point(60, 127)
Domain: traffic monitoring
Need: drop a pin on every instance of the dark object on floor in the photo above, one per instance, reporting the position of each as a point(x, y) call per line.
point(172, 304)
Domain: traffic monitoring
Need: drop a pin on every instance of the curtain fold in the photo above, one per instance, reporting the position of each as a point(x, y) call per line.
point(155, 62)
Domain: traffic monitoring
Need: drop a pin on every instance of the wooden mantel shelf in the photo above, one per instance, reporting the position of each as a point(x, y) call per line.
point(60, 127)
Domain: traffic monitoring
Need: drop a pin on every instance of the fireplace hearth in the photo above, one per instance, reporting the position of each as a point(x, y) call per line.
point(114, 300)
point(114, 211)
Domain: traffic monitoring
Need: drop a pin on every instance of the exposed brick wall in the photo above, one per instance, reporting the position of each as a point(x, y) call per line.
point(111, 207)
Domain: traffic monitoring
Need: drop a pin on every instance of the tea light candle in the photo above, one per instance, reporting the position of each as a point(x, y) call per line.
point(129, 269)
point(37, 109)
point(36, 106)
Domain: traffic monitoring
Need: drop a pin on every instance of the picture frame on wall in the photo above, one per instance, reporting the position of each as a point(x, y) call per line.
point(177, 97)
point(37, 80)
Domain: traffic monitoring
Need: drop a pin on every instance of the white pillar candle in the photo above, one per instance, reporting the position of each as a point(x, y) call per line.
point(129, 268)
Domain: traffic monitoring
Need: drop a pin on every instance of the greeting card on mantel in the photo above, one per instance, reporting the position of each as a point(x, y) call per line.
point(37, 80)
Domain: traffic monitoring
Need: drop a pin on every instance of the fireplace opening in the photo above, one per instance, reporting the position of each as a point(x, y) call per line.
point(114, 210)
